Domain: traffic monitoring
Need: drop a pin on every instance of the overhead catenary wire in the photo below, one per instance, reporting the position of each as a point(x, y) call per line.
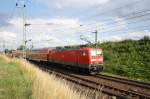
point(132, 17)
point(129, 4)
point(113, 9)
point(111, 23)
point(107, 24)
point(129, 18)
point(129, 31)
point(117, 30)
point(12, 13)
point(113, 28)
point(120, 7)
point(128, 23)
point(134, 28)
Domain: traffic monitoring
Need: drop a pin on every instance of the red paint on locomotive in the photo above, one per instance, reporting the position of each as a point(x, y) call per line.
point(90, 59)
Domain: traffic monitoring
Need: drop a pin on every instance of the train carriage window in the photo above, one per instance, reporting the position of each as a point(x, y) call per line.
point(84, 53)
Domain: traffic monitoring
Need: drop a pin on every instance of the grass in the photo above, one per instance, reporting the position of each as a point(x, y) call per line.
point(44, 85)
point(47, 86)
point(13, 83)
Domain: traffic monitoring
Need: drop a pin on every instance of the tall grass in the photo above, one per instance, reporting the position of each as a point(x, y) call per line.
point(14, 84)
point(45, 86)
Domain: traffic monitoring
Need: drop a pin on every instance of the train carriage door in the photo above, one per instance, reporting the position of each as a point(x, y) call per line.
point(77, 57)
point(83, 57)
point(48, 55)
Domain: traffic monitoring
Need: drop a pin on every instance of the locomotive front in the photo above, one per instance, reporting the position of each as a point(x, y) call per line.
point(96, 61)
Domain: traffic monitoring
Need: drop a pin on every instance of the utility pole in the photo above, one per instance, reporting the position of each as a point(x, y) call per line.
point(22, 6)
point(95, 38)
point(32, 46)
point(24, 31)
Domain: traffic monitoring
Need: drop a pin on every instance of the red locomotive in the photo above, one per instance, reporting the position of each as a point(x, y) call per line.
point(88, 59)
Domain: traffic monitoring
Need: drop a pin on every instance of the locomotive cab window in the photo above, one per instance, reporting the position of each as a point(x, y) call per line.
point(96, 53)
point(84, 53)
point(99, 53)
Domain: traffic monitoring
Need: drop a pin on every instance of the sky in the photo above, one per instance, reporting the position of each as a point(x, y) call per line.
point(62, 22)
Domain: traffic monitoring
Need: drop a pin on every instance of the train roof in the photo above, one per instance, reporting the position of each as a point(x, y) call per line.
point(60, 48)
point(42, 49)
point(67, 49)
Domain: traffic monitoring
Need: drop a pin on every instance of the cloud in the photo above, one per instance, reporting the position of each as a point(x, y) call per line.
point(62, 31)
point(131, 35)
point(62, 4)
point(3, 19)
point(7, 35)
point(44, 32)
point(7, 38)
point(138, 35)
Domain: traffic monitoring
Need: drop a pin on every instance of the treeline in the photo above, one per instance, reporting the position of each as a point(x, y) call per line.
point(128, 58)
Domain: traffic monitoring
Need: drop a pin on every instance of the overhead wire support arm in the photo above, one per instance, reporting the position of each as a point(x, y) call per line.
point(85, 39)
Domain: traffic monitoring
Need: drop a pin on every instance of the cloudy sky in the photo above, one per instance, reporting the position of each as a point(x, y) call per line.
point(62, 22)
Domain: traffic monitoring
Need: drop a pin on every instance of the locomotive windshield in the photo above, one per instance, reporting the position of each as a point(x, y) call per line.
point(96, 52)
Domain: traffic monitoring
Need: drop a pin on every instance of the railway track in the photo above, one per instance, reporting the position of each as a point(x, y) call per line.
point(134, 87)
point(115, 87)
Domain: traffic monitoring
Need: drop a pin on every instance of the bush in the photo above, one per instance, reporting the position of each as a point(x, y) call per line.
point(128, 58)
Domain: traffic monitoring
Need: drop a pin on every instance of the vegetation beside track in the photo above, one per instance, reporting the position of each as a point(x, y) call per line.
point(14, 84)
point(31, 82)
point(129, 58)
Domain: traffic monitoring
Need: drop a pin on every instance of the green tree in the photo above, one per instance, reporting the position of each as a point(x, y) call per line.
point(21, 47)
